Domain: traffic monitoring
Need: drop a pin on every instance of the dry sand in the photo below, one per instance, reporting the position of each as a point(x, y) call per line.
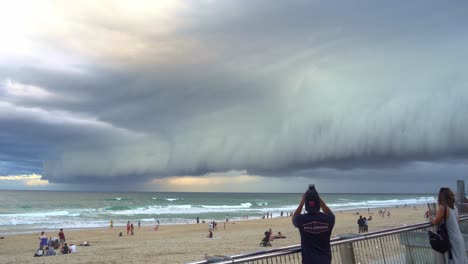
point(185, 243)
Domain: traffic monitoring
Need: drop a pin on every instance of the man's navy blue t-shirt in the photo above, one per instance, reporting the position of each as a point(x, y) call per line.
point(315, 230)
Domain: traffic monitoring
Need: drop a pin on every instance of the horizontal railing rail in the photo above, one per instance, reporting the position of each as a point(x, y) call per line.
point(397, 245)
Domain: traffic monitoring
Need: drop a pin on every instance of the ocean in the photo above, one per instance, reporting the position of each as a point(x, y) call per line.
point(31, 211)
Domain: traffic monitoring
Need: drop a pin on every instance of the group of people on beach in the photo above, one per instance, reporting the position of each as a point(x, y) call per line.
point(270, 215)
point(131, 228)
point(47, 246)
point(272, 237)
point(384, 212)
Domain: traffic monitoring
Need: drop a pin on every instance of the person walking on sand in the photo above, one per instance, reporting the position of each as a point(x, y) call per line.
point(132, 229)
point(448, 210)
point(61, 236)
point(128, 228)
point(111, 224)
point(139, 223)
point(315, 228)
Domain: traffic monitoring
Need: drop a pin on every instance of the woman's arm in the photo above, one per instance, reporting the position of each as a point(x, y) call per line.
point(439, 215)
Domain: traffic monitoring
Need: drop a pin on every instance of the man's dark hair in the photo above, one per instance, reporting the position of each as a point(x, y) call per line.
point(312, 201)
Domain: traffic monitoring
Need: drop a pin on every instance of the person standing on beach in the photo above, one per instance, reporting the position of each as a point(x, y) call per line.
point(366, 225)
point(132, 229)
point(448, 210)
point(139, 223)
point(61, 236)
point(42, 240)
point(315, 228)
point(360, 223)
point(128, 228)
point(111, 224)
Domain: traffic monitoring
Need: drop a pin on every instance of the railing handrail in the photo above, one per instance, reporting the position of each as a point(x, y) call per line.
point(333, 242)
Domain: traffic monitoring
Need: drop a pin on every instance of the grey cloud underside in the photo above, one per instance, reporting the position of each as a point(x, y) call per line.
point(277, 90)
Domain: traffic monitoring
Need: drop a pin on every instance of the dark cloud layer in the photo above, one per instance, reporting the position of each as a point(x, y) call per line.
point(277, 89)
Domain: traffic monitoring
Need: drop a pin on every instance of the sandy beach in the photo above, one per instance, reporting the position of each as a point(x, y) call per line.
point(186, 243)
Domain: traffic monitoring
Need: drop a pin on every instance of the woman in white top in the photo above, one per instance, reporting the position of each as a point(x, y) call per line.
point(447, 206)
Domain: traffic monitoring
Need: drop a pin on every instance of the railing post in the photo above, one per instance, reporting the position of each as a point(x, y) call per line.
point(460, 191)
point(347, 253)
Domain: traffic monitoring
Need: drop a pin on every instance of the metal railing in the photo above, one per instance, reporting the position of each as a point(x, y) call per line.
point(409, 244)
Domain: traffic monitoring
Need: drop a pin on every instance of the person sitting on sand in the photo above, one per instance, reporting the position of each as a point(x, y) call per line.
point(72, 248)
point(65, 249)
point(280, 235)
point(50, 251)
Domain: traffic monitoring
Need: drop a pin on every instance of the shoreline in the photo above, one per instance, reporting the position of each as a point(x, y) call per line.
point(187, 242)
point(32, 230)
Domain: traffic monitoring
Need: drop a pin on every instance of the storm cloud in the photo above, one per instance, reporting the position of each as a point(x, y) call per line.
point(134, 93)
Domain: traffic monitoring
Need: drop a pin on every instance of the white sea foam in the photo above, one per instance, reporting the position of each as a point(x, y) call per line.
point(223, 207)
point(382, 203)
point(172, 213)
point(148, 220)
point(36, 214)
point(118, 198)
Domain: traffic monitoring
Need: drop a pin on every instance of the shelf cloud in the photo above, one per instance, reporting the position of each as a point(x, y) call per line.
point(198, 88)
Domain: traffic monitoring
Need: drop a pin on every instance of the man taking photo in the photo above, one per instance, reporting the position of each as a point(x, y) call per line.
point(315, 228)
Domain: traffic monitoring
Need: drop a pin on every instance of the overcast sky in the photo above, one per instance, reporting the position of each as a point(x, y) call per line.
point(254, 96)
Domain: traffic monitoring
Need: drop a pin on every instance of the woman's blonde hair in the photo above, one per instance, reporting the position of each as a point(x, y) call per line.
point(446, 197)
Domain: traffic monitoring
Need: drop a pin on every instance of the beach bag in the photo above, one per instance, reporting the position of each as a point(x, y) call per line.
point(439, 240)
